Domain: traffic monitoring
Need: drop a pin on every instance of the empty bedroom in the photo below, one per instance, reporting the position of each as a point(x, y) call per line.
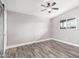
point(39, 28)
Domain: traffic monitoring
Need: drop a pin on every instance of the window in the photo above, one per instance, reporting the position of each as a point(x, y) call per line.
point(68, 23)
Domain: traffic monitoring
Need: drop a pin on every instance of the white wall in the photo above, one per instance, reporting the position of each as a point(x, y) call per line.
point(68, 35)
point(23, 28)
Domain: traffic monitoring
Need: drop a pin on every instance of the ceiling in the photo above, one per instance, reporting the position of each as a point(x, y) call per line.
point(32, 7)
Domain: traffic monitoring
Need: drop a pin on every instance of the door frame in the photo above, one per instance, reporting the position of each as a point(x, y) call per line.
point(4, 28)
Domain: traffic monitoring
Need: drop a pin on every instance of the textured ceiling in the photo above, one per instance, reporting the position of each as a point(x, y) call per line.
point(32, 7)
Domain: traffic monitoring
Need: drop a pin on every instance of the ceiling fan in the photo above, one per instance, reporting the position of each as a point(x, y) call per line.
point(49, 7)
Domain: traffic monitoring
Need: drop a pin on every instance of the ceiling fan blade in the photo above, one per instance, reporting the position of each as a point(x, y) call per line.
point(53, 3)
point(55, 8)
point(43, 10)
point(43, 5)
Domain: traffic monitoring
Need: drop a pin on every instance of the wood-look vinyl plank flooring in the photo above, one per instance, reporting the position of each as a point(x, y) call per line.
point(46, 49)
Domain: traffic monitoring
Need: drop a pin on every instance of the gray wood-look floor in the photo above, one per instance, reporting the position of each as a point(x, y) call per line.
point(46, 49)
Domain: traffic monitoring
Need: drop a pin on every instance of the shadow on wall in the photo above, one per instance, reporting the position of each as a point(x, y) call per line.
point(25, 28)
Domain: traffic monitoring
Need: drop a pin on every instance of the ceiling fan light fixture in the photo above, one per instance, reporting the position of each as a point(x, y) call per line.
point(48, 9)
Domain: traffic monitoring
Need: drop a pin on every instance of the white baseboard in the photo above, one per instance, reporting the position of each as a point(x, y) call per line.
point(69, 43)
point(27, 43)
